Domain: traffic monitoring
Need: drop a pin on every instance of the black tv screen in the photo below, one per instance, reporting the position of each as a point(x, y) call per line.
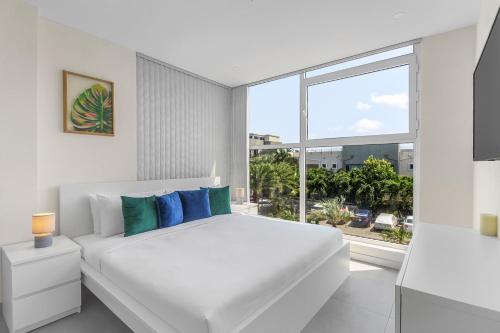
point(487, 99)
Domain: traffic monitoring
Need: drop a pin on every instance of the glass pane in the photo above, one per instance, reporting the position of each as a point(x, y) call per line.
point(369, 104)
point(362, 61)
point(274, 182)
point(366, 191)
point(274, 111)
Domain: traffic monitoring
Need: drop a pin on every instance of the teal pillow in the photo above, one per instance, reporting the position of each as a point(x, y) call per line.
point(139, 215)
point(220, 200)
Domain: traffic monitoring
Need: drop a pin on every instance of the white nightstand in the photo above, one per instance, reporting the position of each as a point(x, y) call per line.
point(246, 208)
point(40, 285)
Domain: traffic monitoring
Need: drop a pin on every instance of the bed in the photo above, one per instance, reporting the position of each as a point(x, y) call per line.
point(226, 273)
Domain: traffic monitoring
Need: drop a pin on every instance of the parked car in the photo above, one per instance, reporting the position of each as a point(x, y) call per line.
point(408, 223)
point(385, 221)
point(362, 218)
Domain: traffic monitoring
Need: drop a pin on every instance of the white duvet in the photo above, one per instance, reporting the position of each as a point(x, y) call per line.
point(212, 274)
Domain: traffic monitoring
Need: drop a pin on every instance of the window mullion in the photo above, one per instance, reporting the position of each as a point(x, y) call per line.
point(302, 155)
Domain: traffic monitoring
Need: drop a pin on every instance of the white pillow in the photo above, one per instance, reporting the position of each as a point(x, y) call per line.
point(94, 210)
point(110, 211)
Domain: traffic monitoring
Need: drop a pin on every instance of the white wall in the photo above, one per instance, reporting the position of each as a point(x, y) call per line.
point(18, 142)
point(18, 39)
point(71, 158)
point(486, 174)
point(445, 135)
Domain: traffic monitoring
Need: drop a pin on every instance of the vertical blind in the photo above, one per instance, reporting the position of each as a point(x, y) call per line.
point(239, 138)
point(184, 124)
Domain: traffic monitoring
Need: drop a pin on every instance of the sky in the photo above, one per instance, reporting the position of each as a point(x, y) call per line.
point(371, 104)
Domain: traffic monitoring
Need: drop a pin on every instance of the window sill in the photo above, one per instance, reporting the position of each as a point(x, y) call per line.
point(377, 252)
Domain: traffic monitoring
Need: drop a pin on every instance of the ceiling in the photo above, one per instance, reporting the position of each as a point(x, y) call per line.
point(241, 41)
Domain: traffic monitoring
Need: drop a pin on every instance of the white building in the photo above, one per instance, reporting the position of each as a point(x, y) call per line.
point(406, 162)
point(330, 159)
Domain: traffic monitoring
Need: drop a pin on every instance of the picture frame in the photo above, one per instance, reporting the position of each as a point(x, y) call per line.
point(88, 105)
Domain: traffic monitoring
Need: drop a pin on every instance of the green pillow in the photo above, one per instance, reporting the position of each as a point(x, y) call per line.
point(220, 200)
point(139, 215)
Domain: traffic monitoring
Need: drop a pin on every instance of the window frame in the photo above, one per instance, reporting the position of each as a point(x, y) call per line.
point(410, 60)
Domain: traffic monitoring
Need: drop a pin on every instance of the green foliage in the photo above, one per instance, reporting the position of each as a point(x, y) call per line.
point(275, 176)
point(397, 235)
point(283, 156)
point(316, 216)
point(262, 179)
point(288, 214)
point(318, 183)
point(286, 179)
point(92, 110)
point(335, 211)
point(375, 185)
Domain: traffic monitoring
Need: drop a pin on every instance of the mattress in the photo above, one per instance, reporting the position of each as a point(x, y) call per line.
point(211, 275)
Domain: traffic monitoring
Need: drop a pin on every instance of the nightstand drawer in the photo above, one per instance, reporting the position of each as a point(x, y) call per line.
point(38, 275)
point(38, 307)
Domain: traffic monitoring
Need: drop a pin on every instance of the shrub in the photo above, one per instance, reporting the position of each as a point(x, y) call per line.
point(397, 235)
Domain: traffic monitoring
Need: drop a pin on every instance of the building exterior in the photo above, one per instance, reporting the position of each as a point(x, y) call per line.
point(406, 162)
point(330, 159)
point(354, 156)
point(347, 157)
point(255, 139)
point(263, 139)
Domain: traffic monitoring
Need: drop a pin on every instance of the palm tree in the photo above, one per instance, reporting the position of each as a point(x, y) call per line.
point(283, 155)
point(286, 177)
point(262, 180)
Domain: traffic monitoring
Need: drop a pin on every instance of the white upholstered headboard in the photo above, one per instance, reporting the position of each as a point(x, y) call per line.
point(74, 207)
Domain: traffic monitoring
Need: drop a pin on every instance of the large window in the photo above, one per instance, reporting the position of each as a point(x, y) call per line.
point(361, 61)
point(274, 182)
point(335, 145)
point(370, 104)
point(274, 112)
point(372, 181)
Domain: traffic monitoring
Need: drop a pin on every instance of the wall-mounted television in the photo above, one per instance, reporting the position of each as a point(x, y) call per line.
point(487, 99)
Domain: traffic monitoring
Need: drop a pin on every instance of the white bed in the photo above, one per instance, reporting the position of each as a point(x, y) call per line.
point(228, 273)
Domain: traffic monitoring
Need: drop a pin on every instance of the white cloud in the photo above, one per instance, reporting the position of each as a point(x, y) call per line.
point(363, 106)
point(367, 125)
point(396, 100)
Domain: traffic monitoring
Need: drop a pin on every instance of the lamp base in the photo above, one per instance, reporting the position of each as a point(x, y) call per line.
point(43, 241)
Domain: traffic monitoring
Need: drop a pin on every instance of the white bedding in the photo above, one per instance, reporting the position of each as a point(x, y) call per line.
point(210, 275)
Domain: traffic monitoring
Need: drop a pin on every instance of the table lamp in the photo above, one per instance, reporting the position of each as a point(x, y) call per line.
point(239, 193)
point(42, 226)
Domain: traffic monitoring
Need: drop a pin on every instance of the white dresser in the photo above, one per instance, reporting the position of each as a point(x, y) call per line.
point(40, 285)
point(449, 282)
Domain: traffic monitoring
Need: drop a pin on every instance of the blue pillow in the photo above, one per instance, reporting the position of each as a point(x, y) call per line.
point(195, 204)
point(169, 209)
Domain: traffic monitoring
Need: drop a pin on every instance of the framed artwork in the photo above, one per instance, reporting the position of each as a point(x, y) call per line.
point(88, 105)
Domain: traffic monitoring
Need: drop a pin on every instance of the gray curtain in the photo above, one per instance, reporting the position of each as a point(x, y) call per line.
point(239, 138)
point(184, 124)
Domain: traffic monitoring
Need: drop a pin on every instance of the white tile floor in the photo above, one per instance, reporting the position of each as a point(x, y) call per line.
point(363, 304)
